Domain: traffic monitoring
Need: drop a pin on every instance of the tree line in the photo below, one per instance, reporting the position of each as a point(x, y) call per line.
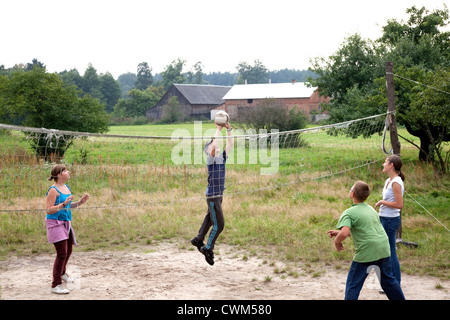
point(131, 94)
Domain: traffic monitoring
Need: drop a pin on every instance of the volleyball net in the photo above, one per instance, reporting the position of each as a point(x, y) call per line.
point(143, 171)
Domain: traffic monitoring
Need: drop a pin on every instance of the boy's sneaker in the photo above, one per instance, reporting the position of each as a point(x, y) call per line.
point(209, 255)
point(198, 244)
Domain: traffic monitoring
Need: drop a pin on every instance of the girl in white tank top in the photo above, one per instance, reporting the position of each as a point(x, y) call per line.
point(388, 195)
point(393, 189)
point(390, 207)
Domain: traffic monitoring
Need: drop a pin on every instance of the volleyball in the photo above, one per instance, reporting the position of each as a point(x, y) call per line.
point(221, 118)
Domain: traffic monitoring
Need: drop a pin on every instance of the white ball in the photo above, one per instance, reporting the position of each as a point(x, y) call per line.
point(221, 118)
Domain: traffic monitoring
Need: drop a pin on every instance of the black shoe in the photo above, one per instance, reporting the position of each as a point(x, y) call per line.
point(209, 255)
point(198, 244)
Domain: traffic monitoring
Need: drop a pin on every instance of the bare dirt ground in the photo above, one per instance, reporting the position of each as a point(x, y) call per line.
point(171, 270)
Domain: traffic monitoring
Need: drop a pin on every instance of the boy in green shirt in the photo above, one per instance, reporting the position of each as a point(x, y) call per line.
point(371, 245)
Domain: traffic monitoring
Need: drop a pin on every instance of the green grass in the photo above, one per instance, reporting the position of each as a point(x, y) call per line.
point(289, 221)
point(163, 130)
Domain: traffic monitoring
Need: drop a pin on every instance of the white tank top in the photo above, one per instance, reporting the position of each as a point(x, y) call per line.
point(388, 195)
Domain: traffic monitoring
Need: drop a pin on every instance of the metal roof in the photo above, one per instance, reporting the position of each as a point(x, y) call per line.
point(203, 94)
point(270, 90)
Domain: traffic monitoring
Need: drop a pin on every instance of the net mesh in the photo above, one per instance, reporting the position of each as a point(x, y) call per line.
point(130, 171)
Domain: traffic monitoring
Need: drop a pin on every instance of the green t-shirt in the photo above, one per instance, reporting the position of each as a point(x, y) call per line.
point(368, 235)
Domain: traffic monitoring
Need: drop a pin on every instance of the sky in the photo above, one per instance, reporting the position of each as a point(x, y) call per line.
point(115, 36)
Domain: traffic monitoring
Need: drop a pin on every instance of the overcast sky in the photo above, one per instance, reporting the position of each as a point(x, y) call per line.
point(115, 36)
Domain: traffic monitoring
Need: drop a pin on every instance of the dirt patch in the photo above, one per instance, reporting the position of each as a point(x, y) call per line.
point(171, 270)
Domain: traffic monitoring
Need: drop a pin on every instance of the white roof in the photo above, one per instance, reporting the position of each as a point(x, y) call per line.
point(269, 90)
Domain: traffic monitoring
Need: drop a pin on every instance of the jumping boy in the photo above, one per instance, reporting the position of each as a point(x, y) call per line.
point(371, 245)
point(215, 163)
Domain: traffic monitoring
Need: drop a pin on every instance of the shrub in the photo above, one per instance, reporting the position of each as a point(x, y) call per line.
point(272, 114)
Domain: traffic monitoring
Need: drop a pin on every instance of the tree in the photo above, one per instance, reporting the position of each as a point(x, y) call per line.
point(354, 76)
point(350, 77)
point(252, 74)
point(73, 77)
point(198, 74)
point(91, 83)
point(419, 50)
point(428, 114)
point(420, 24)
point(221, 78)
point(356, 64)
point(110, 90)
point(287, 75)
point(173, 74)
point(138, 102)
point(172, 112)
point(39, 99)
point(144, 77)
point(127, 82)
point(35, 62)
point(195, 76)
point(102, 87)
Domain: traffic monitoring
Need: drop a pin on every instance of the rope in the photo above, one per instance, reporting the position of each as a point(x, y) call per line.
point(386, 126)
point(419, 83)
point(427, 211)
point(162, 202)
point(153, 203)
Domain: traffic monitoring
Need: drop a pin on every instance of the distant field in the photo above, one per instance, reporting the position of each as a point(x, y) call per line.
point(164, 130)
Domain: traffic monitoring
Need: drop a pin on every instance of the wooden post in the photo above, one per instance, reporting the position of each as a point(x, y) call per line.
point(391, 107)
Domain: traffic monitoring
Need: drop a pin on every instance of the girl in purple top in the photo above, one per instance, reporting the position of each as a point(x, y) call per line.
point(58, 222)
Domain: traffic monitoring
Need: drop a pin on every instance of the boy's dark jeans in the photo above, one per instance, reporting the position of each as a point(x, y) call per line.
point(358, 274)
point(63, 252)
point(214, 218)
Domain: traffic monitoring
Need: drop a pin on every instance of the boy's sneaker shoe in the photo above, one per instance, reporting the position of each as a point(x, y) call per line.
point(59, 290)
point(209, 255)
point(198, 244)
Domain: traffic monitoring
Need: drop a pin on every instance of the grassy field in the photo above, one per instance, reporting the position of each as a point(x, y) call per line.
point(289, 221)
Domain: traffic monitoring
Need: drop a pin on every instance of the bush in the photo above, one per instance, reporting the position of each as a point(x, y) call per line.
point(172, 112)
point(272, 114)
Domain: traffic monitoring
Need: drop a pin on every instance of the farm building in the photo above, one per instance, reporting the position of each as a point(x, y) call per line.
point(292, 94)
point(196, 101)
